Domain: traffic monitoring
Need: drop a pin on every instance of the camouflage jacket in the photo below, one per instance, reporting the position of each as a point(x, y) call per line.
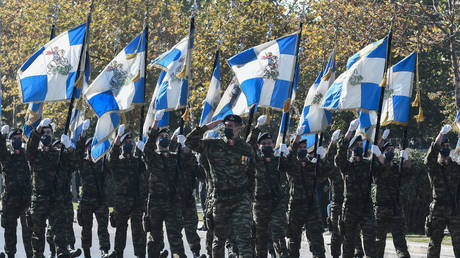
point(228, 164)
point(445, 182)
point(48, 181)
point(335, 178)
point(16, 175)
point(385, 189)
point(128, 176)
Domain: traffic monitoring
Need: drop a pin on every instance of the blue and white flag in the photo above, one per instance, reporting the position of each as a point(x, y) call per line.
point(314, 118)
point(122, 81)
point(104, 135)
point(396, 101)
point(367, 123)
point(265, 72)
point(457, 120)
point(33, 118)
point(50, 73)
point(232, 102)
point(213, 95)
point(358, 88)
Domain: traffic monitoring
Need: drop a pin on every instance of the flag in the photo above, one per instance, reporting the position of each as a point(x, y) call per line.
point(457, 120)
point(396, 100)
point(358, 88)
point(367, 123)
point(33, 118)
point(50, 73)
point(104, 135)
point(232, 102)
point(122, 82)
point(265, 72)
point(213, 95)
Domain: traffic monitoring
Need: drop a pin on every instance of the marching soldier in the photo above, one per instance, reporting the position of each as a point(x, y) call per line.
point(130, 194)
point(16, 191)
point(444, 175)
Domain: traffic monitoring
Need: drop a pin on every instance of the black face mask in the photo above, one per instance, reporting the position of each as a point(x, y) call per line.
point(267, 150)
point(127, 148)
point(389, 155)
point(46, 140)
point(17, 143)
point(301, 154)
point(445, 152)
point(228, 133)
point(358, 151)
point(164, 142)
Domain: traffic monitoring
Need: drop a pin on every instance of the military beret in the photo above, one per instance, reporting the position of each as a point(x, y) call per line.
point(445, 139)
point(303, 139)
point(263, 136)
point(356, 138)
point(234, 118)
point(13, 132)
point(164, 130)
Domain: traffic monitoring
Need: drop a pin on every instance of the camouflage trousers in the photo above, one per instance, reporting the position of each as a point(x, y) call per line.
point(387, 222)
point(188, 220)
point(232, 216)
point(85, 212)
point(355, 218)
point(123, 211)
point(209, 225)
point(13, 211)
point(69, 233)
point(270, 223)
point(305, 213)
point(40, 211)
point(159, 211)
point(436, 232)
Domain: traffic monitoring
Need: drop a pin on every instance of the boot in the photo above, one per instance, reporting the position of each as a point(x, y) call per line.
point(75, 253)
point(2, 255)
point(87, 252)
point(115, 254)
point(53, 254)
point(140, 256)
point(104, 254)
point(10, 255)
point(164, 254)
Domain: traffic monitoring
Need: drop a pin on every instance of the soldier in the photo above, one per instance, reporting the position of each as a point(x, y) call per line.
point(444, 175)
point(268, 205)
point(130, 194)
point(164, 192)
point(16, 191)
point(49, 188)
point(303, 207)
point(357, 206)
point(93, 201)
point(228, 159)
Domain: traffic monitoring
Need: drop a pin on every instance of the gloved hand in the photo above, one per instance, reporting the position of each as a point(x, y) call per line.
point(335, 135)
point(353, 125)
point(65, 140)
point(321, 151)
point(121, 130)
point(176, 132)
point(140, 145)
point(261, 120)
point(404, 155)
point(445, 129)
point(85, 125)
point(53, 126)
point(181, 140)
point(376, 151)
point(45, 122)
point(300, 130)
point(385, 134)
point(313, 160)
point(284, 149)
point(5, 129)
point(159, 115)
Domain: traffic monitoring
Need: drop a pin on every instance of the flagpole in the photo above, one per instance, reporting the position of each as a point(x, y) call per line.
point(146, 37)
point(317, 144)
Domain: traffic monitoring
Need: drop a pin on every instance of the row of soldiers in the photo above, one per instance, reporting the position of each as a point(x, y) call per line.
point(256, 198)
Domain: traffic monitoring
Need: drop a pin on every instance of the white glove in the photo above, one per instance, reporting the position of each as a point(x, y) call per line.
point(45, 122)
point(159, 115)
point(181, 140)
point(85, 125)
point(404, 155)
point(121, 130)
point(176, 132)
point(261, 120)
point(197, 156)
point(53, 126)
point(300, 130)
point(445, 129)
point(5, 129)
point(313, 160)
point(210, 134)
point(335, 135)
point(376, 151)
point(284, 149)
point(385, 134)
point(140, 145)
point(321, 151)
point(65, 140)
point(353, 125)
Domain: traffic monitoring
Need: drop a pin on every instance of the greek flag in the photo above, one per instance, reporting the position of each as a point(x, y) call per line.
point(122, 81)
point(314, 118)
point(358, 88)
point(50, 73)
point(232, 102)
point(213, 96)
point(396, 103)
point(104, 135)
point(265, 72)
point(457, 120)
point(33, 118)
point(367, 123)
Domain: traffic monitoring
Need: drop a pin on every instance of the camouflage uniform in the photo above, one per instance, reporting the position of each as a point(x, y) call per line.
point(49, 190)
point(444, 209)
point(15, 197)
point(93, 201)
point(389, 216)
point(164, 195)
point(303, 207)
point(357, 206)
point(129, 203)
point(268, 205)
point(207, 213)
point(229, 171)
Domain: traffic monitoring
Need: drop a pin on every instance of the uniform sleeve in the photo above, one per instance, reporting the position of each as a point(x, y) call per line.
point(150, 145)
point(252, 137)
point(3, 149)
point(331, 152)
point(114, 156)
point(80, 151)
point(32, 145)
point(431, 158)
point(194, 139)
point(341, 160)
